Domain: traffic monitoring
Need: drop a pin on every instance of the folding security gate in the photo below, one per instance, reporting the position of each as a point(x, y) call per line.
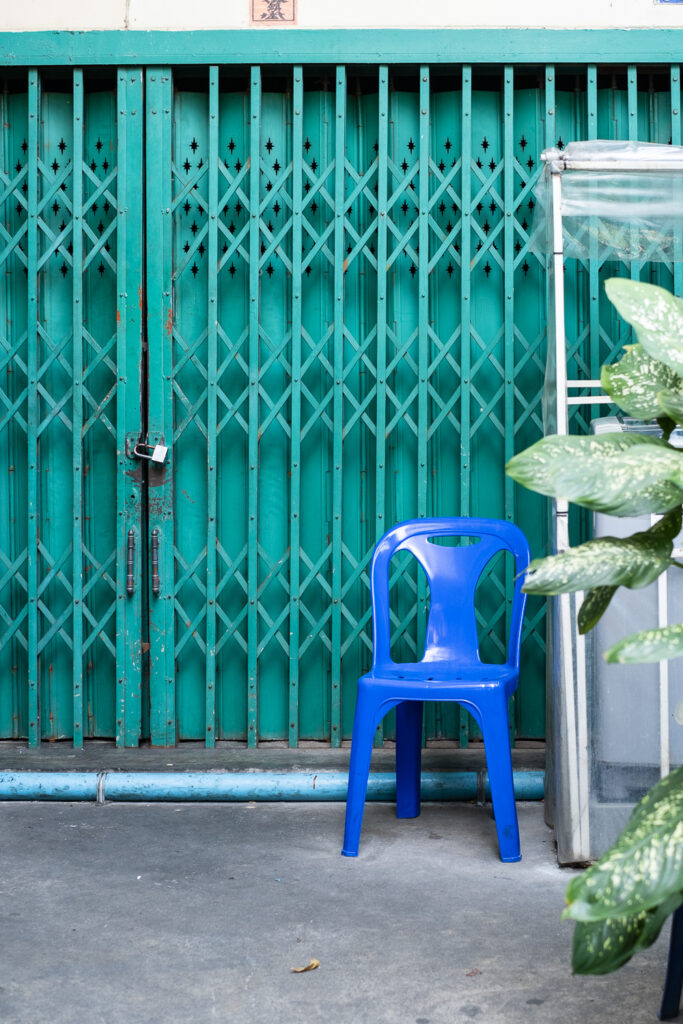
point(314, 287)
point(70, 336)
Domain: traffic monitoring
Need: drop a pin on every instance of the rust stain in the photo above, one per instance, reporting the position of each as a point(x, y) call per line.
point(346, 265)
point(140, 297)
point(157, 474)
point(118, 316)
point(169, 322)
point(314, 778)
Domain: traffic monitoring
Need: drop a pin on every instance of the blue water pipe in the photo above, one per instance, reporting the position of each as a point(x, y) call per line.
point(246, 786)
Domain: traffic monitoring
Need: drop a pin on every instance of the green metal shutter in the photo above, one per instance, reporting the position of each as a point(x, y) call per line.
point(343, 352)
point(345, 328)
point(71, 253)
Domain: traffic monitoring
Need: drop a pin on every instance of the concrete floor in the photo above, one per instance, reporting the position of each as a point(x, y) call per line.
point(171, 913)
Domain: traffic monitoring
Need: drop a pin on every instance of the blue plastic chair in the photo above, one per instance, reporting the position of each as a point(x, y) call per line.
point(450, 669)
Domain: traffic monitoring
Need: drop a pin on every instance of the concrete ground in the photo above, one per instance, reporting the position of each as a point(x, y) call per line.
point(164, 913)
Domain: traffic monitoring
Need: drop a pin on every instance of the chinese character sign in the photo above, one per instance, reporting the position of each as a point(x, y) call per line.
point(273, 12)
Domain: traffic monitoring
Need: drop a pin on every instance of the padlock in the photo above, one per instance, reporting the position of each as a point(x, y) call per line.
point(159, 453)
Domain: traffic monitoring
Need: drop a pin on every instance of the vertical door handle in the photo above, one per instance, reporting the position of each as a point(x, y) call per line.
point(130, 563)
point(156, 586)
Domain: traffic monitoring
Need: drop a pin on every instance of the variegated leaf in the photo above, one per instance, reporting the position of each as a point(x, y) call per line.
point(655, 314)
point(626, 474)
point(635, 382)
point(603, 946)
point(671, 403)
point(648, 645)
point(632, 561)
point(644, 867)
point(594, 605)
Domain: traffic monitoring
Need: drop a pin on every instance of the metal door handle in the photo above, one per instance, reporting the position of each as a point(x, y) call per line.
point(130, 563)
point(156, 584)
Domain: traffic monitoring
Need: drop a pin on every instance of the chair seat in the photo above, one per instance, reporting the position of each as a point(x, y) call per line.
point(438, 676)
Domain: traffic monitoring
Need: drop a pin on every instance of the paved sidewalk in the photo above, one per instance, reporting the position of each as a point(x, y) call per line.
point(165, 913)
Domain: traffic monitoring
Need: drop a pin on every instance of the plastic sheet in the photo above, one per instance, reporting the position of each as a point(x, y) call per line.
point(620, 201)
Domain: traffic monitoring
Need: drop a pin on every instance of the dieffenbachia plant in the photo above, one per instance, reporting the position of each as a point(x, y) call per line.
point(621, 902)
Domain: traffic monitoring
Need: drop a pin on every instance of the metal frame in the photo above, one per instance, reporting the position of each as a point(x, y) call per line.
point(572, 644)
point(348, 46)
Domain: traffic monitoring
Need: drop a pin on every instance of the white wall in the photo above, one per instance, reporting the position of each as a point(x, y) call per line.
point(224, 14)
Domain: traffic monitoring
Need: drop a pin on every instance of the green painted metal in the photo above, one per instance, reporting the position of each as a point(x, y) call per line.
point(345, 328)
point(295, 417)
point(633, 100)
point(62, 353)
point(129, 479)
point(159, 327)
point(32, 417)
point(330, 425)
point(212, 411)
point(255, 386)
point(77, 408)
point(342, 372)
point(424, 341)
point(338, 319)
point(509, 168)
point(384, 214)
point(593, 283)
point(349, 46)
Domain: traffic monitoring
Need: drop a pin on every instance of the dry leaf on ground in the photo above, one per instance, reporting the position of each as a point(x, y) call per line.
point(309, 967)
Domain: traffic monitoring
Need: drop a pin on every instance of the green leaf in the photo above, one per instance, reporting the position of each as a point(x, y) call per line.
point(648, 645)
point(635, 382)
point(603, 946)
point(622, 901)
point(645, 865)
point(626, 474)
point(594, 606)
point(671, 403)
point(632, 561)
point(655, 314)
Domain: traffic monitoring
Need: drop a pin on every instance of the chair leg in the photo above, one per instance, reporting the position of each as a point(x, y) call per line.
point(364, 725)
point(671, 998)
point(408, 758)
point(495, 727)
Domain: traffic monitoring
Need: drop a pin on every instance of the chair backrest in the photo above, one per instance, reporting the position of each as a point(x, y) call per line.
point(453, 573)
